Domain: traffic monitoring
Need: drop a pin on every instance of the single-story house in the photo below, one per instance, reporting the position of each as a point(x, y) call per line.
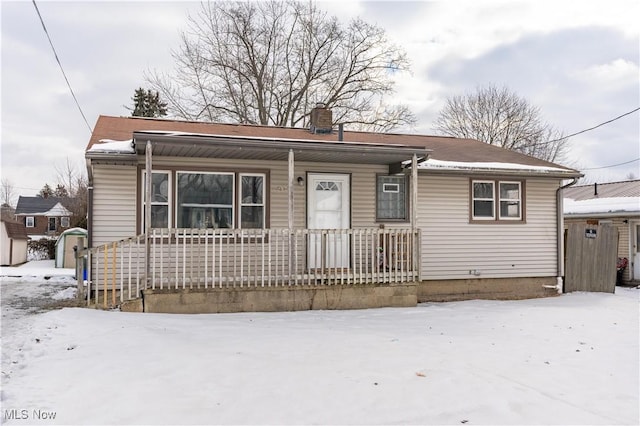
point(13, 242)
point(614, 203)
point(44, 216)
point(321, 217)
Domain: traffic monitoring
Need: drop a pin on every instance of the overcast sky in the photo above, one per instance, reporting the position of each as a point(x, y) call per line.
point(578, 61)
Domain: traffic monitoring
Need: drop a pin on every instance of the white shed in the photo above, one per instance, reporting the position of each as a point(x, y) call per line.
point(65, 256)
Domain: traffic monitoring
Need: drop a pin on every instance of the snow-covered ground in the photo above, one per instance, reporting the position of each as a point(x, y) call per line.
point(572, 359)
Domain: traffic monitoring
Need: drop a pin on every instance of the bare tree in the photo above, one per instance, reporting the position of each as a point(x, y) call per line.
point(8, 192)
point(270, 62)
point(73, 184)
point(499, 117)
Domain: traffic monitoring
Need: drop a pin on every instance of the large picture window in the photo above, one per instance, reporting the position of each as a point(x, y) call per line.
point(391, 198)
point(495, 200)
point(205, 200)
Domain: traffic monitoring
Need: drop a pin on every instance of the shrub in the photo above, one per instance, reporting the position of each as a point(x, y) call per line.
point(42, 249)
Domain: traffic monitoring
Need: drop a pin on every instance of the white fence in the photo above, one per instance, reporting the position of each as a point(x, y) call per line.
point(224, 258)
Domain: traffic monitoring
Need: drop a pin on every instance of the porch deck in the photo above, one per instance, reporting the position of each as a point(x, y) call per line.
point(187, 259)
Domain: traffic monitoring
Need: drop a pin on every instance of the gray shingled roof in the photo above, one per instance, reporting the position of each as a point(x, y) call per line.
point(35, 205)
point(629, 188)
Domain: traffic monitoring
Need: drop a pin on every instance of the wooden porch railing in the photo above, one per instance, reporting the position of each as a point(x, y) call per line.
point(225, 258)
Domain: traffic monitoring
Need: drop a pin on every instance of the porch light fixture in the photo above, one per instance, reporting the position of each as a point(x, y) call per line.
point(300, 181)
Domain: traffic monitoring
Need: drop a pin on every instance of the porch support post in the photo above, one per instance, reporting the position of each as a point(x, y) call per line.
point(414, 193)
point(147, 212)
point(292, 251)
point(414, 215)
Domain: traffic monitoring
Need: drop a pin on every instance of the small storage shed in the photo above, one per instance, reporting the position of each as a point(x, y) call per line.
point(65, 256)
point(13, 242)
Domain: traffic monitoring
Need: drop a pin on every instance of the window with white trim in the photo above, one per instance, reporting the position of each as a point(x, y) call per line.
point(483, 200)
point(52, 224)
point(391, 198)
point(211, 199)
point(496, 200)
point(510, 201)
point(252, 211)
point(29, 222)
point(160, 197)
point(64, 221)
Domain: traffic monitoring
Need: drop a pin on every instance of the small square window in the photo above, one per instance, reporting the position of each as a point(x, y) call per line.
point(390, 187)
point(64, 221)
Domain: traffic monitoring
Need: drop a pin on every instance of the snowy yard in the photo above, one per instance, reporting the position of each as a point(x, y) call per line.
point(572, 359)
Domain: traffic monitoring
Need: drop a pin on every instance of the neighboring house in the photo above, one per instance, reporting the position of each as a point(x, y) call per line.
point(13, 243)
point(232, 206)
point(615, 203)
point(44, 216)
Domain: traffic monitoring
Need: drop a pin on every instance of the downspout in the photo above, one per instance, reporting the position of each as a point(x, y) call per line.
point(293, 255)
point(560, 237)
point(89, 204)
point(147, 214)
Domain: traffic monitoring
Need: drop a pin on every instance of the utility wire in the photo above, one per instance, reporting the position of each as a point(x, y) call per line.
point(590, 128)
point(59, 64)
point(613, 165)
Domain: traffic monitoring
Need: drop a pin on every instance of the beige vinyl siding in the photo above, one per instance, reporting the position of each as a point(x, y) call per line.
point(452, 247)
point(114, 203)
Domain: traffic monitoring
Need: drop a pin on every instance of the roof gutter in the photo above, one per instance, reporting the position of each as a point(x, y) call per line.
point(559, 174)
point(560, 237)
point(603, 215)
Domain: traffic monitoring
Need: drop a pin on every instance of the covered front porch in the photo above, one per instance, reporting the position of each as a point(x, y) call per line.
point(178, 260)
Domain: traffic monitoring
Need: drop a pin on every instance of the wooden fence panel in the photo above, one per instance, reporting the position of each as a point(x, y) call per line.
point(591, 253)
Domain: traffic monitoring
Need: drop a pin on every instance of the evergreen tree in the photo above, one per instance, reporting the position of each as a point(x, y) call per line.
point(46, 191)
point(61, 191)
point(147, 103)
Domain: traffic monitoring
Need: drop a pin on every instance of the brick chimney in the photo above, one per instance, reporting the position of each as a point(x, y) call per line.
point(321, 119)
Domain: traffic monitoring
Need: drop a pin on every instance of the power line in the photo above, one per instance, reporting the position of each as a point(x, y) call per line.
point(59, 64)
point(613, 165)
point(590, 128)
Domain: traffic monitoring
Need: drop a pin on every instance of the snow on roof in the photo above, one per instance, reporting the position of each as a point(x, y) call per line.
point(433, 164)
point(173, 133)
point(602, 205)
point(111, 146)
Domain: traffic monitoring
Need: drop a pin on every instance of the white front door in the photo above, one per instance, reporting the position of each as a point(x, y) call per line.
point(636, 251)
point(328, 197)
